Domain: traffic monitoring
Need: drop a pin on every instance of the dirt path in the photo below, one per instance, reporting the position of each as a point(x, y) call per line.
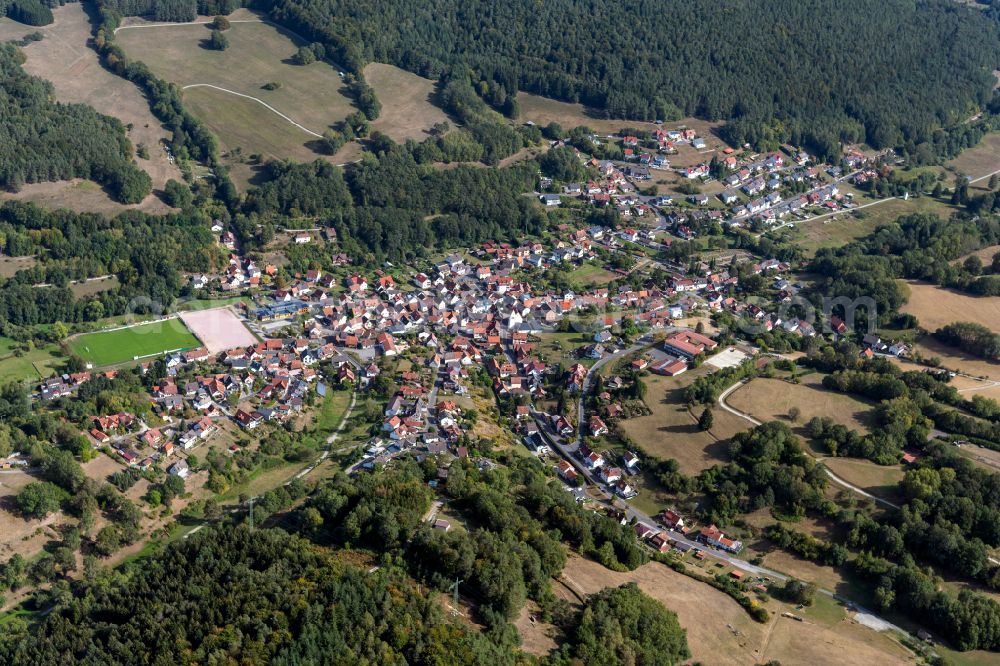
point(255, 99)
point(833, 477)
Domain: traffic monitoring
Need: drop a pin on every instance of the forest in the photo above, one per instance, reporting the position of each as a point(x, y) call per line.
point(232, 595)
point(920, 246)
point(43, 140)
point(391, 207)
point(511, 551)
point(148, 261)
point(888, 74)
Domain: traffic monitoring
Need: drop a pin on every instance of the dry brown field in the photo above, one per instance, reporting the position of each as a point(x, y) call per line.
point(951, 359)
point(985, 254)
point(720, 632)
point(537, 637)
point(979, 160)
point(91, 287)
point(64, 58)
point(671, 430)
point(9, 266)
point(17, 535)
point(935, 306)
point(879, 480)
point(771, 399)
point(408, 110)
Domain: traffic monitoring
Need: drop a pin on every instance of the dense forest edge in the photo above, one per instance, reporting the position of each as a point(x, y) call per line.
point(44, 140)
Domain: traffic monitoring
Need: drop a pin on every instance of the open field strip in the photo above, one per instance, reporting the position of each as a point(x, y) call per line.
point(256, 99)
point(129, 343)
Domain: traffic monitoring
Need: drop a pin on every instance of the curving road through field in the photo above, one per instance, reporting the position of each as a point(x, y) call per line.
point(833, 477)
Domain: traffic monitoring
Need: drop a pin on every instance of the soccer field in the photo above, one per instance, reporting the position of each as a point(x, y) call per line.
point(111, 347)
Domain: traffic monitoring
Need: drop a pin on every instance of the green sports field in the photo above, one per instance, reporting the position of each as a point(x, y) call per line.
point(111, 347)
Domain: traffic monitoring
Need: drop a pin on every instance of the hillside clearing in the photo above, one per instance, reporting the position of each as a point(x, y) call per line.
point(979, 160)
point(258, 53)
point(671, 430)
point(408, 110)
point(64, 58)
point(935, 306)
point(244, 128)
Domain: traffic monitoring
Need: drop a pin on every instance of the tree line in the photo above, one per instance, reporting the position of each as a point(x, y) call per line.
point(920, 246)
point(42, 140)
point(149, 261)
point(688, 62)
point(391, 207)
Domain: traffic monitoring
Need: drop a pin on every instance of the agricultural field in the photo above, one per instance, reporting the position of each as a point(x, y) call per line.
point(720, 632)
point(64, 58)
point(980, 160)
point(671, 430)
point(124, 344)
point(935, 306)
point(771, 399)
point(408, 108)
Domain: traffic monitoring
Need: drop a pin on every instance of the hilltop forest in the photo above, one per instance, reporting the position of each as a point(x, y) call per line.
point(887, 73)
point(43, 140)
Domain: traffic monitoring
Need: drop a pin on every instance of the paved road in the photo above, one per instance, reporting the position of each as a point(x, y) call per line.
point(641, 343)
point(833, 477)
point(608, 500)
point(435, 385)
